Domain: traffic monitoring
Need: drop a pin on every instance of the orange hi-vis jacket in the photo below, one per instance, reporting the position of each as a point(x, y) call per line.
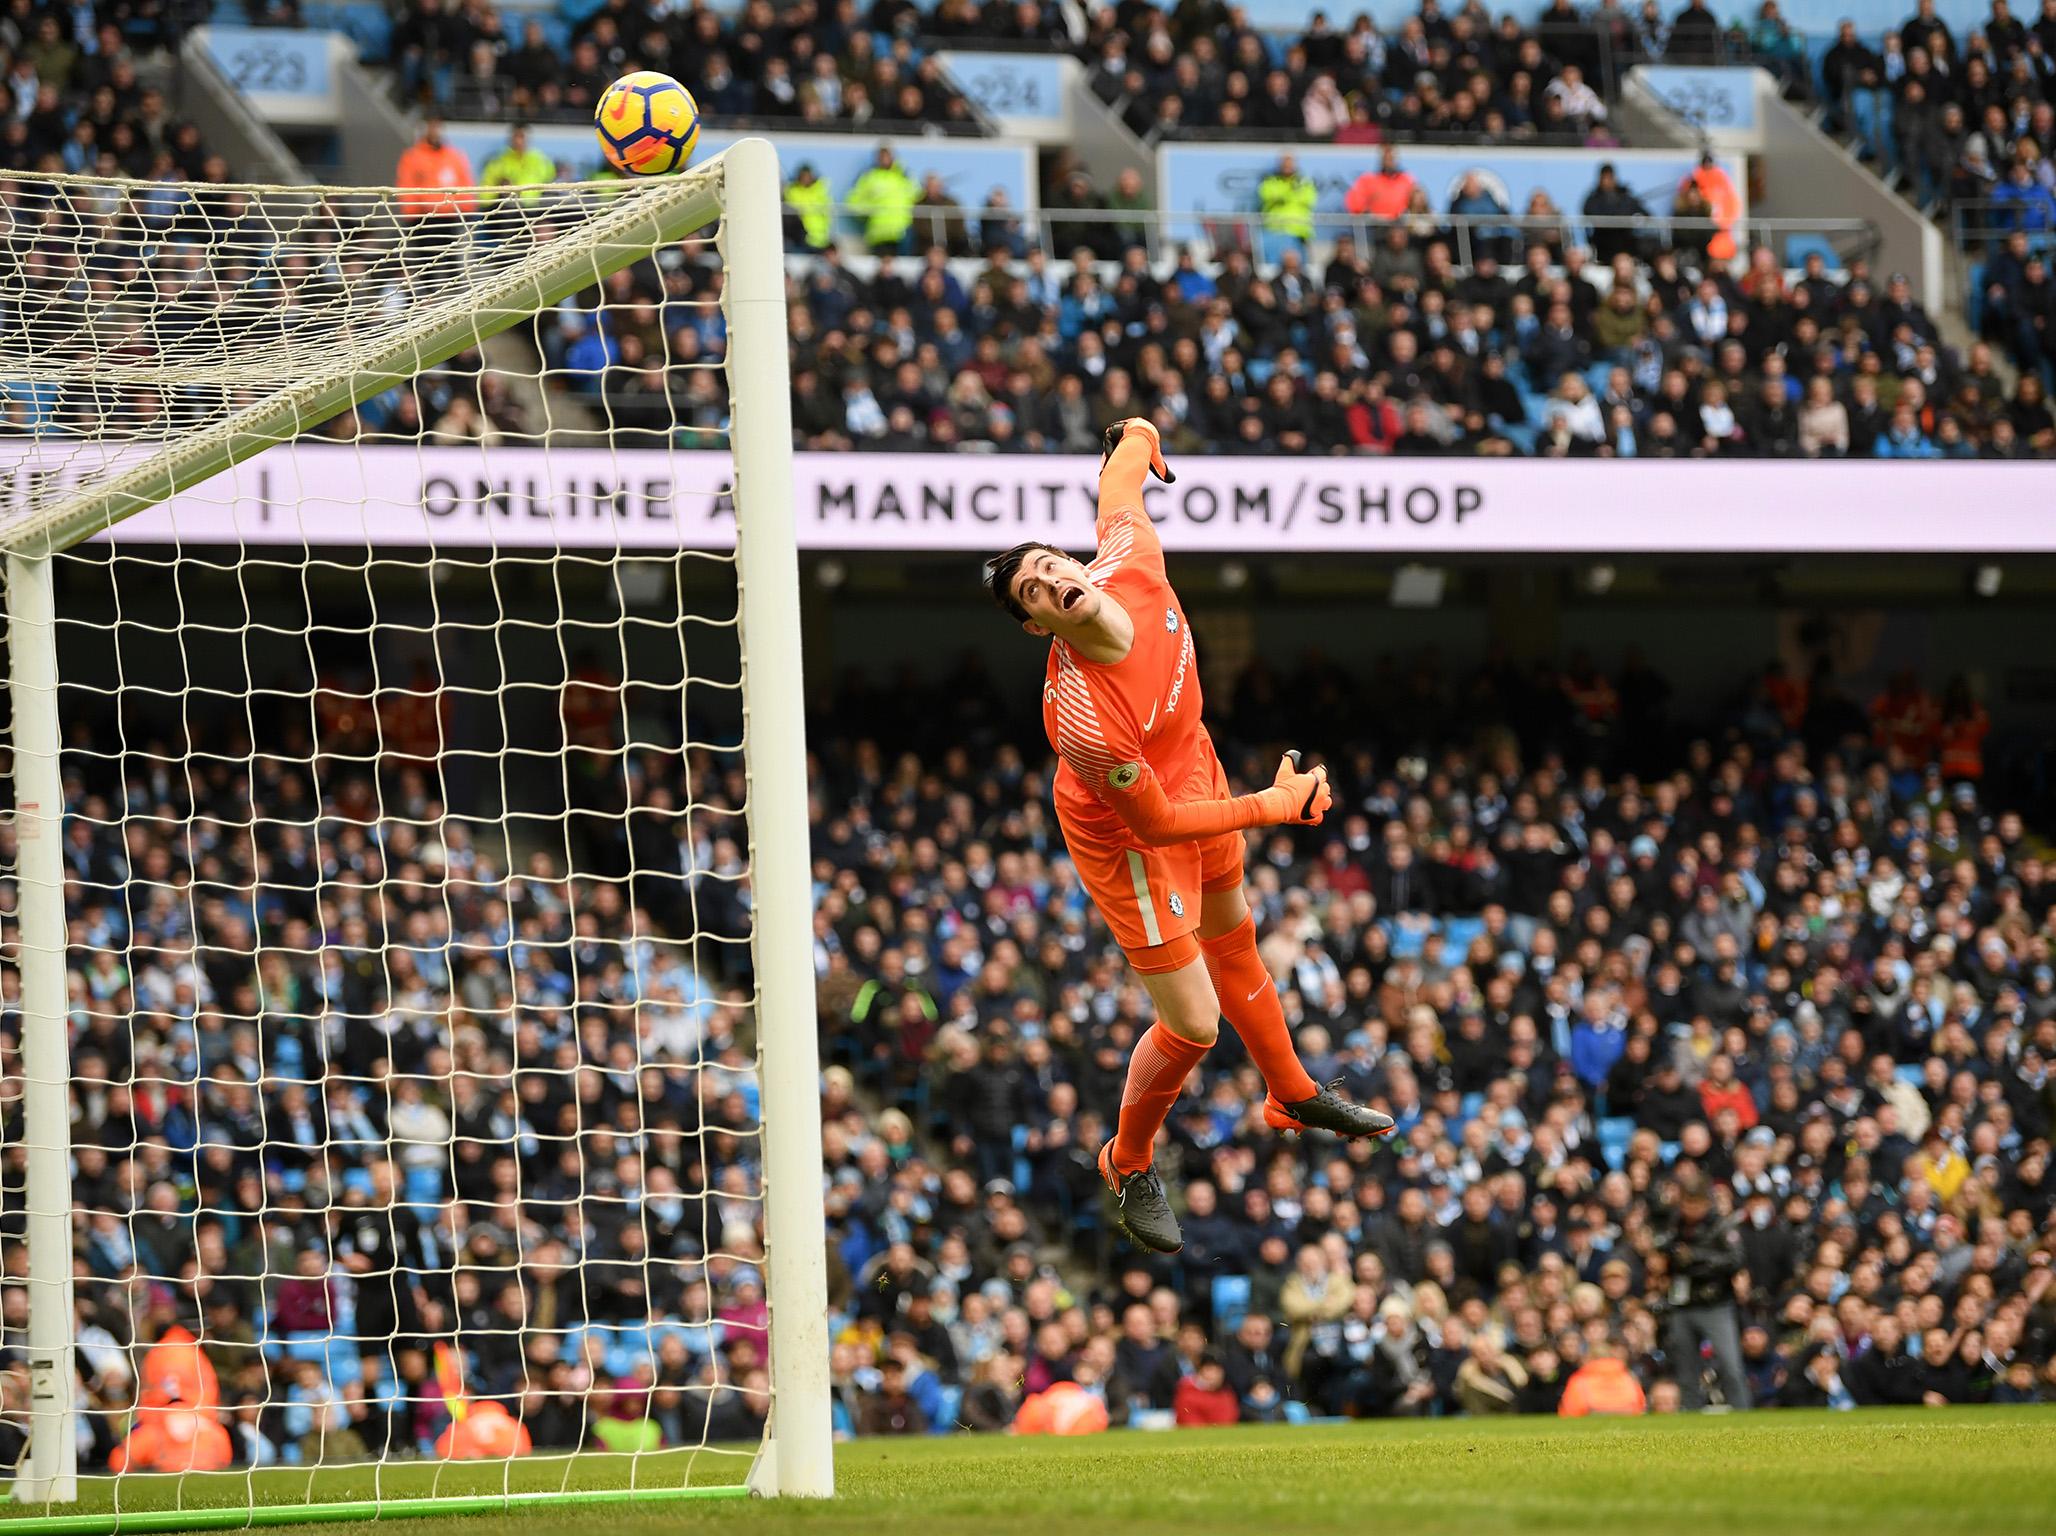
point(178, 1439)
point(442, 173)
point(1602, 1386)
point(1962, 745)
point(174, 1370)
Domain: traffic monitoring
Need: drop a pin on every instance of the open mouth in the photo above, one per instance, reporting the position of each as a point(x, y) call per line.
point(1072, 597)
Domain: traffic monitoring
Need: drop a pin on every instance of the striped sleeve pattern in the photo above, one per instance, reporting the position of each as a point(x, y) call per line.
point(1115, 547)
point(1080, 737)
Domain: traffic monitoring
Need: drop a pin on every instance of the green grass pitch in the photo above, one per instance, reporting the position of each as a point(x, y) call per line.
point(1990, 1471)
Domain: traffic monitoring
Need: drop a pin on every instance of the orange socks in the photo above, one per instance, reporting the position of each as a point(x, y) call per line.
point(1250, 1002)
point(1156, 1073)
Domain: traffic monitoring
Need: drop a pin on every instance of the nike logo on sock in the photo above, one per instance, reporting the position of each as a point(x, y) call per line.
point(1259, 987)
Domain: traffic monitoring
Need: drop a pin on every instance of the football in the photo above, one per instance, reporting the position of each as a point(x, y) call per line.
point(648, 124)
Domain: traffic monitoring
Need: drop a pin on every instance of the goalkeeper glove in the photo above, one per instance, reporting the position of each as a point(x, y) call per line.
point(1142, 427)
point(1306, 796)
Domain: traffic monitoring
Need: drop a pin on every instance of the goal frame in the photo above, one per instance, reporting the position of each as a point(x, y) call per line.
point(740, 188)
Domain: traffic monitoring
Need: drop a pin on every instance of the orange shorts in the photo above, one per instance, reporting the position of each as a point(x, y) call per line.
point(1150, 897)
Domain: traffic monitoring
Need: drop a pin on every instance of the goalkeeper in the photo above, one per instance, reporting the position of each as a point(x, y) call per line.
point(1150, 824)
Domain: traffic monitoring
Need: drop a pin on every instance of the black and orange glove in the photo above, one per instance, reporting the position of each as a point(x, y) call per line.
point(1304, 798)
point(1138, 426)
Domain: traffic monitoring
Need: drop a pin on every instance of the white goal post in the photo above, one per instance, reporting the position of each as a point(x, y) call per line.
point(139, 366)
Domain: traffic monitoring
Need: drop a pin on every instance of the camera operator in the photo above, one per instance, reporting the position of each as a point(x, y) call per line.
point(1705, 1252)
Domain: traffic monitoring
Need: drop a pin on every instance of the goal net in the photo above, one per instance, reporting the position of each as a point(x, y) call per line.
point(410, 1089)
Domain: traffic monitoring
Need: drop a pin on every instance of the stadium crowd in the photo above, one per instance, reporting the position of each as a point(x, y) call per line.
point(372, 1110)
point(1169, 69)
point(807, 63)
point(71, 97)
point(1960, 119)
point(1437, 333)
point(1584, 955)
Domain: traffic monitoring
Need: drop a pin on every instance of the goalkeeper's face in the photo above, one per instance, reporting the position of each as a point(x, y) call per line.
point(1054, 595)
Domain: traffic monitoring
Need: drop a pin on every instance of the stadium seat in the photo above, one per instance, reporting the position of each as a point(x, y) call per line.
point(424, 1185)
point(1615, 1132)
point(1799, 247)
point(1230, 1302)
point(307, 1346)
point(1023, 1174)
point(1459, 932)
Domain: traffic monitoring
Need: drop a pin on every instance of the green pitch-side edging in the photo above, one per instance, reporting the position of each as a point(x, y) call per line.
point(231, 1517)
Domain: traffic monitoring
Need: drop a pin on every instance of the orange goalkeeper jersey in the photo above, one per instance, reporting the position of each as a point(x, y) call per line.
point(1113, 725)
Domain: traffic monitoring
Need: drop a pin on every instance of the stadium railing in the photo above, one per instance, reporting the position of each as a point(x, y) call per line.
point(1062, 230)
point(468, 101)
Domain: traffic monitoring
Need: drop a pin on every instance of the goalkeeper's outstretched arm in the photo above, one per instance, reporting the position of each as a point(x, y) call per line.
point(1133, 449)
point(1294, 799)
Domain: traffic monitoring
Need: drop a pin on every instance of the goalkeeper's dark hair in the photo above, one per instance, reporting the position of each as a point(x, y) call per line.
point(1000, 571)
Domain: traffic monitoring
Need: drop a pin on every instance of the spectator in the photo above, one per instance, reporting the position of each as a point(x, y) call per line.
point(1383, 194)
point(809, 210)
point(1884, 1374)
point(1131, 197)
point(1578, 105)
point(1286, 198)
point(518, 165)
point(1324, 111)
point(889, 1410)
point(2021, 201)
point(1695, 35)
point(884, 197)
point(1854, 77)
point(1205, 1396)
point(435, 175)
point(1489, 1382)
point(1608, 199)
point(1602, 1385)
point(1903, 438)
point(1823, 421)
point(1704, 1253)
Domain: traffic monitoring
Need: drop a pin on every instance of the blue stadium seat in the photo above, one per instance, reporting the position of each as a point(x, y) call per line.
point(1799, 247)
point(1974, 295)
point(1406, 939)
point(363, 22)
point(424, 1186)
point(1458, 932)
point(307, 1346)
point(948, 1400)
point(1023, 1174)
point(1615, 1132)
point(1908, 1072)
point(1231, 1302)
point(1473, 1104)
